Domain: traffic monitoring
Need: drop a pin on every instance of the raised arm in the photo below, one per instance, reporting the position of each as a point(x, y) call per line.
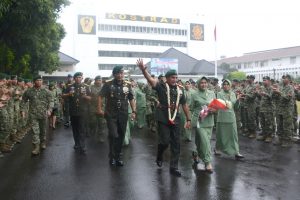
point(143, 68)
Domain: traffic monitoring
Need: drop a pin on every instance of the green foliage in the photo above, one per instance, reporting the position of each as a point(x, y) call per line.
point(236, 75)
point(30, 36)
point(297, 79)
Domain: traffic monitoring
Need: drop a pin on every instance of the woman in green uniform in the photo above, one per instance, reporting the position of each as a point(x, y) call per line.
point(227, 136)
point(203, 127)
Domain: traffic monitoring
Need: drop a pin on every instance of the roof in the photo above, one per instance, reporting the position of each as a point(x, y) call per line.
point(66, 60)
point(188, 65)
point(263, 55)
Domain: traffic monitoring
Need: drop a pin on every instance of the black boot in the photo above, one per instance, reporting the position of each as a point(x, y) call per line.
point(160, 150)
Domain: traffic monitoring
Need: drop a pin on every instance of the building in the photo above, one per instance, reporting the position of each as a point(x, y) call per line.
point(188, 67)
point(104, 40)
point(67, 66)
point(273, 63)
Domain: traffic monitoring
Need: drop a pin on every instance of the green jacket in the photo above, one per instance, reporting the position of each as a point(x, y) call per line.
point(228, 115)
point(198, 100)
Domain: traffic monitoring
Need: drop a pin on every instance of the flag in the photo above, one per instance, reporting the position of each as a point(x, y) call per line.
point(215, 33)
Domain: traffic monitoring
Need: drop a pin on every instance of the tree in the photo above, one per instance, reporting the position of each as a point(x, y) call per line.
point(30, 35)
point(236, 75)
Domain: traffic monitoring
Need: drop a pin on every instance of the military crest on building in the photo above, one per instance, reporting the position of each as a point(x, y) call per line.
point(197, 32)
point(86, 24)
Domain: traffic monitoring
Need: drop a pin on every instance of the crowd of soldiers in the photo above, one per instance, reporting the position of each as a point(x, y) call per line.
point(266, 110)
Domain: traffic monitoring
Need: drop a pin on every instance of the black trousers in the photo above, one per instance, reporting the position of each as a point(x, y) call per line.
point(116, 134)
point(78, 133)
point(170, 134)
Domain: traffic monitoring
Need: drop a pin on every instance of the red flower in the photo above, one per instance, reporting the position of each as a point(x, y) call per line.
point(171, 122)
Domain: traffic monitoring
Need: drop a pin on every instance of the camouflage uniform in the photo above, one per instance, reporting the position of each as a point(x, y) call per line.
point(266, 114)
point(40, 101)
point(250, 95)
point(97, 121)
point(285, 111)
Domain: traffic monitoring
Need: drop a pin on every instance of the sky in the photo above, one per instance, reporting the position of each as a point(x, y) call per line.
point(242, 25)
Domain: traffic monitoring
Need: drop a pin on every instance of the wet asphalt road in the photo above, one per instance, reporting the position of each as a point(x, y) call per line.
point(268, 172)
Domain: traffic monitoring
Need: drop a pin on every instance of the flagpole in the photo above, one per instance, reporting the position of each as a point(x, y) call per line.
point(216, 57)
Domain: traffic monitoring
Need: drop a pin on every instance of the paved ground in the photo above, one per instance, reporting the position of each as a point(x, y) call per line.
point(268, 172)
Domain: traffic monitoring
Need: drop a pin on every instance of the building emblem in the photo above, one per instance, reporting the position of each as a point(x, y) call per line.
point(86, 24)
point(197, 32)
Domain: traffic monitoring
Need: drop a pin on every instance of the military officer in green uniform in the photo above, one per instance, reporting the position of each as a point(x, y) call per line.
point(97, 121)
point(203, 127)
point(78, 95)
point(116, 92)
point(170, 96)
point(40, 107)
point(140, 105)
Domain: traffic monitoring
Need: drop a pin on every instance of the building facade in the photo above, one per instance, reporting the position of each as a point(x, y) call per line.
point(273, 63)
point(104, 40)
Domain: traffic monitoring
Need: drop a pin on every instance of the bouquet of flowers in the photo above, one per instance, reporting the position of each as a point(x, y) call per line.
point(216, 104)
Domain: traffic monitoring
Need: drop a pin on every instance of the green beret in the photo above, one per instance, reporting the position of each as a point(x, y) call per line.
point(27, 80)
point(117, 69)
point(12, 77)
point(171, 72)
point(37, 77)
point(51, 84)
point(98, 78)
point(70, 76)
point(78, 74)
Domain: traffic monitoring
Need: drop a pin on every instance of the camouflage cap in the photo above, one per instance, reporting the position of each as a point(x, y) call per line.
point(266, 78)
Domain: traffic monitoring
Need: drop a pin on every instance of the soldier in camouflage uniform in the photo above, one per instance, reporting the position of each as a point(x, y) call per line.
point(266, 111)
point(237, 109)
point(56, 96)
point(249, 98)
point(40, 107)
point(4, 118)
point(286, 97)
point(97, 121)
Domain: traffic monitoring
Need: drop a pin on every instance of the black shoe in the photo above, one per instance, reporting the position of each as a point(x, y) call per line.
point(195, 157)
point(112, 161)
point(239, 156)
point(159, 162)
point(175, 172)
point(82, 151)
point(119, 163)
point(67, 125)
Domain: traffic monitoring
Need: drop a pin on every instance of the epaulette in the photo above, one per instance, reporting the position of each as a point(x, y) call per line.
point(127, 82)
